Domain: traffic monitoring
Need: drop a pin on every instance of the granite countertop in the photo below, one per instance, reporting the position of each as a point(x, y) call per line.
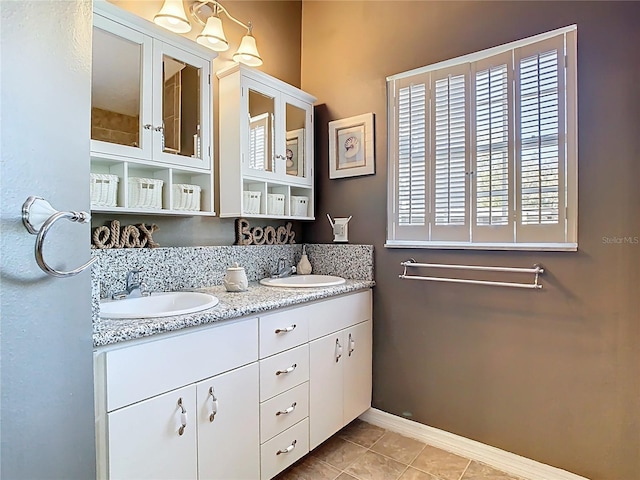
point(258, 298)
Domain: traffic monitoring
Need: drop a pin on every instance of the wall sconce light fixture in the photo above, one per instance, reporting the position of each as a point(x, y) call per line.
point(172, 16)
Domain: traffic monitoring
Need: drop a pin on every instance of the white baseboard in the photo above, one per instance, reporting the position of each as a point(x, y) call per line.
point(492, 456)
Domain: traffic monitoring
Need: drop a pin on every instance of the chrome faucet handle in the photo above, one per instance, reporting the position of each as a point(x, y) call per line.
point(133, 278)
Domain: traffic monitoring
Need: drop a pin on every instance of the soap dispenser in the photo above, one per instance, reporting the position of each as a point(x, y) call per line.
point(304, 266)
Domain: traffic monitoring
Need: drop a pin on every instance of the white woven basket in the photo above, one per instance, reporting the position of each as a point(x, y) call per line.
point(299, 206)
point(186, 197)
point(251, 202)
point(145, 192)
point(275, 204)
point(104, 189)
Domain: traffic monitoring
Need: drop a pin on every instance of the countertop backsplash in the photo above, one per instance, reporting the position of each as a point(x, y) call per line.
point(182, 268)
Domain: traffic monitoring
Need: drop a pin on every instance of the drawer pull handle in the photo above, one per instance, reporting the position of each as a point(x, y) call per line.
point(289, 449)
point(290, 328)
point(352, 345)
point(183, 417)
point(287, 411)
point(287, 370)
point(338, 350)
point(214, 404)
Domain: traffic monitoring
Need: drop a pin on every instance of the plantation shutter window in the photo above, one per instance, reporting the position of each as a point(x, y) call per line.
point(483, 149)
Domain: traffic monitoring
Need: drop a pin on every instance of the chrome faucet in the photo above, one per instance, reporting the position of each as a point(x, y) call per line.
point(134, 287)
point(283, 270)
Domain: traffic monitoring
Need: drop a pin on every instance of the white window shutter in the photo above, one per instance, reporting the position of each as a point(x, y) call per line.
point(493, 149)
point(450, 154)
point(412, 154)
point(540, 139)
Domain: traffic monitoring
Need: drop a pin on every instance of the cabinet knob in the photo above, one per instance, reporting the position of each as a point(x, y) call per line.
point(352, 344)
point(287, 370)
point(183, 417)
point(290, 328)
point(338, 350)
point(159, 128)
point(147, 126)
point(289, 449)
point(287, 410)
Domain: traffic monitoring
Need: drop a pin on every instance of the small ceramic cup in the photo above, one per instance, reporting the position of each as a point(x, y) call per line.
point(236, 279)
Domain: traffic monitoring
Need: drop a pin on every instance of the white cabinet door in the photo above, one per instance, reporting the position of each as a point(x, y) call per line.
point(181, 107)
point(229, 442)
point(326, 358)
point(121, 107)
point(357, 370)
point(145, 440)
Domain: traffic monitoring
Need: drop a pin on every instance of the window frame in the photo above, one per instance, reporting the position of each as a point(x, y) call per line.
point(482, 237)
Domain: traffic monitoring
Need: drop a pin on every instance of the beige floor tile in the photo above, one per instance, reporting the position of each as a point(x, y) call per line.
point(346, 476)
point(414, 474)
point(400, 448)
point(309, 468)
point(372, 466)
point(362, 433)
point(338, 452)
point(442, 464)
point(478, 471)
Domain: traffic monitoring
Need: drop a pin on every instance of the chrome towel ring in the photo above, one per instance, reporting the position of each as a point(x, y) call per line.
point(38, 216)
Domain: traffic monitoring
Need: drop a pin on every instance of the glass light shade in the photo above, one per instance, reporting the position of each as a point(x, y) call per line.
point(248, 52)
point(173, 17)
point(212, 35)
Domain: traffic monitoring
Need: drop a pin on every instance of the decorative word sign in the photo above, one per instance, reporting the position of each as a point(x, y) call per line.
point(245, 235)
point(130, 236)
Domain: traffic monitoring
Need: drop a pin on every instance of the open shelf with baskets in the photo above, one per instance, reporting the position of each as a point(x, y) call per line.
point(134, 188)
point(262, 199)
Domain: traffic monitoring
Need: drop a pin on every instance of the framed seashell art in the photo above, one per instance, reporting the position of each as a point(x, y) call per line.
point(351, 146)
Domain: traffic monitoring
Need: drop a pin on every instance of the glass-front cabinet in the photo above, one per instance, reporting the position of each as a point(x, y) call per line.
point(151, 118)
point(266, 146)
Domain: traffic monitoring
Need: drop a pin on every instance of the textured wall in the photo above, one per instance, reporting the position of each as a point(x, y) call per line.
point(46, 386)
point(277, 26)
point(551, 375)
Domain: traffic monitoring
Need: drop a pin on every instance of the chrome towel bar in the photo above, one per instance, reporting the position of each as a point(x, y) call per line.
point(38, 216)
point(537, 270)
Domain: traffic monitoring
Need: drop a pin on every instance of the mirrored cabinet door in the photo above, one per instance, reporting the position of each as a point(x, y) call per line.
point(295, 151)
point(259, 132)
point(120, 91)
point(181, 111)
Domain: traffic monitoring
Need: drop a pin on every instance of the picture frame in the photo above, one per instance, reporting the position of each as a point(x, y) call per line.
point(351, 147)
point(295, 153)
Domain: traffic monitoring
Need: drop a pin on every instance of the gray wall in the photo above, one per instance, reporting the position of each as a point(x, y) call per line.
point(551, 375)
point(46, 335)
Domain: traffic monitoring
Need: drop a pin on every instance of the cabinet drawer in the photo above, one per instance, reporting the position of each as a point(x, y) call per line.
point(339, 313)
point(283, 371)
point(283, 411)
point(282, 331)
point(281, 451)
point(144, 370)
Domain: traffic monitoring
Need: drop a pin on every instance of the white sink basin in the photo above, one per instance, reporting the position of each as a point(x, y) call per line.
point(157, 305)
point(303, 281)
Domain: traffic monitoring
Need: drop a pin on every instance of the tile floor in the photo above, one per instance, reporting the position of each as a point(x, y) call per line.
point(362, 451)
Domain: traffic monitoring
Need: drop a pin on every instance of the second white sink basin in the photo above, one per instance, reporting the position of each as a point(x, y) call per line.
point(157, 305)
point(303, 281)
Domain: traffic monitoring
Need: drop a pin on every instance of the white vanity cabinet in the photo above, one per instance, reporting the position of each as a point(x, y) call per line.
point(151, 117)
point(266, 146)
point(147, 391)
point(239, 400)
point(340, 365)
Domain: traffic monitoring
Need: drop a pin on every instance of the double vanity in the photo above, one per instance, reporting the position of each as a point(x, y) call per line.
point(240, 390)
